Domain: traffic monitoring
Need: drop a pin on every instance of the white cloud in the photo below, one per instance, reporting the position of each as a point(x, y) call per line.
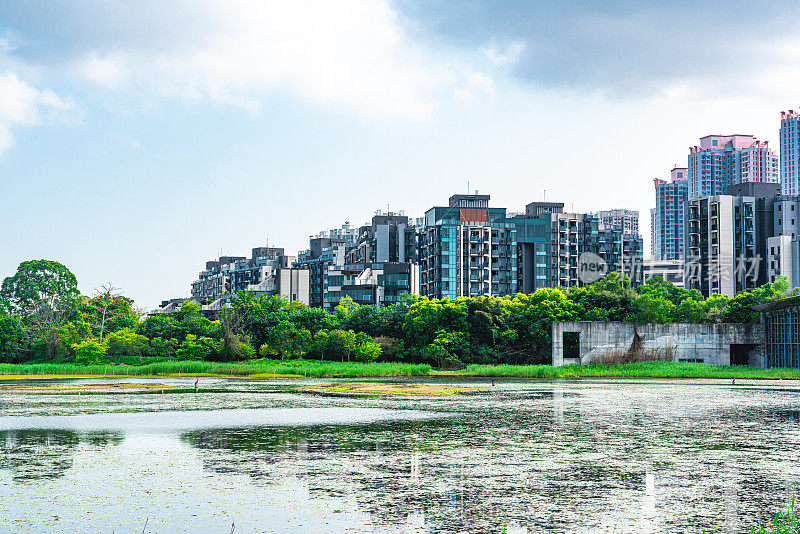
point(23, 105)
point(507, 54)
point(354, 54)
point(476, 85)
point(103, 70)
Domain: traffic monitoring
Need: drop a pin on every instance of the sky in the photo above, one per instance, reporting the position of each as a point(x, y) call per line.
point(140, 139)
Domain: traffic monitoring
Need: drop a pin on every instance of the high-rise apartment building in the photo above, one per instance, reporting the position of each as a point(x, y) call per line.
point(727, 238)
point(534, 245)
point(790, 152)
point(667, 219)
point(724, 160)
point(373, 264)
point(553, 247)
point(467, 249)
point(624, 220)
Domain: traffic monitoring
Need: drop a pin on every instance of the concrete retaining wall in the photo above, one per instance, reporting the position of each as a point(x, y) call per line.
point(710, 343)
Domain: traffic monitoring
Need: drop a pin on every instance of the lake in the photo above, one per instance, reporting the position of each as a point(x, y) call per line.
point(516, 456)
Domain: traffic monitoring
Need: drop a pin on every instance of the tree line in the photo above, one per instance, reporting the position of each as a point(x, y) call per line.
point(43, 316)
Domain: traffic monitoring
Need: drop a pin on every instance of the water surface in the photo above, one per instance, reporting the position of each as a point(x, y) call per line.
point(524, 456)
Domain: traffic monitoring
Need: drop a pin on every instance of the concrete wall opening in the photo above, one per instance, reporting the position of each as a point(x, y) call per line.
point(572, 345)
point(740, 353)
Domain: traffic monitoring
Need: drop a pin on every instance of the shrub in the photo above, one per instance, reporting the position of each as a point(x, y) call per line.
point(89, 352)
point(126, 342)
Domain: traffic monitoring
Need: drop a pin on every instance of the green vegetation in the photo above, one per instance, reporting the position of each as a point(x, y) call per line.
point(266, 368)
point(43, 318)
point(782, 523)
point(262, 368)
point(633, 370)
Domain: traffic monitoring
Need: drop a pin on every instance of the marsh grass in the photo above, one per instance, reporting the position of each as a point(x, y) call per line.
point(189, 368)
point(265, 368)
point(782, 523)
point(630, 370)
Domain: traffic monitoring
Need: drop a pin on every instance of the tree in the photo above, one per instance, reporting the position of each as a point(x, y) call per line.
point(365, 350)
point(320, 344)
point(10, 338)
point(235, 321)
point(652, 308)
point(108, 310)
point(44, 294)
point(341, 343)
point(161, 326)
point(89, 351)
point(194, 348)
point(288, 340)
point(126, 342)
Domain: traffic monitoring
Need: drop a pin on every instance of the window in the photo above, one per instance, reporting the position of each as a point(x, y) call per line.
point(572, 344)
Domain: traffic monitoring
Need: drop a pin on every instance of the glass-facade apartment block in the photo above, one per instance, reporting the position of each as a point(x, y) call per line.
point(790, 152)
point(467, 249)
point(668, 217)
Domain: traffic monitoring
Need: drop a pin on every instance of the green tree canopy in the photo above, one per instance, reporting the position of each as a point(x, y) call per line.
point(44, 295)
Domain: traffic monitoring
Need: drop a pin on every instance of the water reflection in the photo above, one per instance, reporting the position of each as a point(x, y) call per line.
point(41, 454)
point(525, 457)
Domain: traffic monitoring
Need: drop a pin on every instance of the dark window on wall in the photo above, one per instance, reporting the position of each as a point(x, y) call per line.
point(572, 344)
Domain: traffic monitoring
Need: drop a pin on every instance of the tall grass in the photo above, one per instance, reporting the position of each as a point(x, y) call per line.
point(636, 369)
point(313, 368)
point(782, 523)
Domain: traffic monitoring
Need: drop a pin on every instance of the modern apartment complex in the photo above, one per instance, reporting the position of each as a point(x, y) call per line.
point(790, 152)
point(727, 238)
point(723, 160)
point(467, 249)
point(626, 221)
point(553, 247)
point(668, 217)
point(267, 272)
point(374, 264)
point(534, 245)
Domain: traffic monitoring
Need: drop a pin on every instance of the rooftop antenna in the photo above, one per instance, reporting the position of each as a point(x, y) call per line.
point(545, 195)
point(468, 187)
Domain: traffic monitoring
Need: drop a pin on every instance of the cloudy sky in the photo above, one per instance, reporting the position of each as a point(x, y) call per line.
point(139, 139)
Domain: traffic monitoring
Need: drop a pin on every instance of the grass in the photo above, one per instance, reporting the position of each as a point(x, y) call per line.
point(264, 368)
point(630, 370)
point(187, 368)
point(782, 523)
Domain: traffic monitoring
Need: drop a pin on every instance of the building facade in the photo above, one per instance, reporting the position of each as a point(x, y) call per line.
point(668, 217)
point(727, 240)
point(671, 271)
point(267, 272)
point(624, 220)
point(373, 264)
point(783, 250)
point(534, 248)
point(467, 249)
point(554, 248)
point(790, 152)
point(723, 160)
